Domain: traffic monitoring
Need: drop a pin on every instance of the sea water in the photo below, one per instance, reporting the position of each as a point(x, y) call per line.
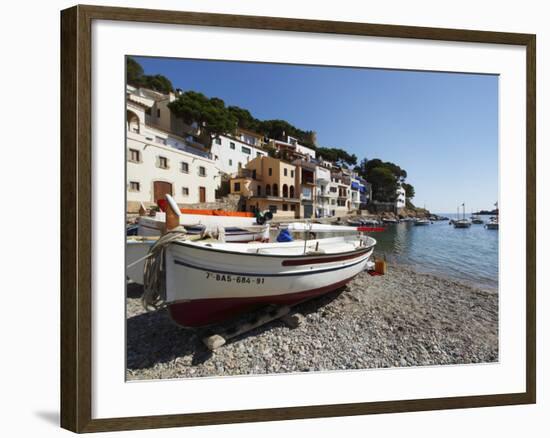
point(464, 254)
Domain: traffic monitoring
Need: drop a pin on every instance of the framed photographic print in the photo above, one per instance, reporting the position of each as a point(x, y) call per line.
point(269, 218)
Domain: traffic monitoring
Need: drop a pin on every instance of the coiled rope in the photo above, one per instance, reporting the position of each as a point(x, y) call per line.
point(154, 276)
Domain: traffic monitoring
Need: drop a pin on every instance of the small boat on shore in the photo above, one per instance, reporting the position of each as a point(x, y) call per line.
point(202, 282)
point(358, 222)
point(237, 226)
point(389, 220)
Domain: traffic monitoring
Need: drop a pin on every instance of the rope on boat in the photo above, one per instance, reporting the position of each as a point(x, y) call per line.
point(154, 276)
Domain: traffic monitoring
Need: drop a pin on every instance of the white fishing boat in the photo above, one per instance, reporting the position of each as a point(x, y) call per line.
point(205, 282)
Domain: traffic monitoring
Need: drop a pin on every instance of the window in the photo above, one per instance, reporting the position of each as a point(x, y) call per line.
point(286, 171)
point(135, 156)
point(230, 162)
point(268, 190)
point(253, 173)
point(218, 140)
point(285, 207)
point(292, 174)
point(292, 191)
point(259, 191)
point(273, 209)
point(246, 150)
point(270, 172)
point(202, 171)
point(258, 154)
point(285, 191)
point(134, 186)
point(184, 167)
point(185, 191)
point(292, 207)
point(158, 112)
point(275, 190)
point(236, 187)
point(232, 145)
point(163, 162)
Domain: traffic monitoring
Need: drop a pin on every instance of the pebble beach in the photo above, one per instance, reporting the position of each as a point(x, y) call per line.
point(400, 319)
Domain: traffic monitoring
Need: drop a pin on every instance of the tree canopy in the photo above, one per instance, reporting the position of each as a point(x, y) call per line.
point(135, 76)
point(409, 190)
point(384, 177)
point(211, 114)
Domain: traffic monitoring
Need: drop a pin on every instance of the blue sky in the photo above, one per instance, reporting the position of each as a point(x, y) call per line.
point(441, 127)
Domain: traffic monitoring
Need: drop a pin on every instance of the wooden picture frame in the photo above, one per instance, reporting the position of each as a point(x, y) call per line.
point(76, 222)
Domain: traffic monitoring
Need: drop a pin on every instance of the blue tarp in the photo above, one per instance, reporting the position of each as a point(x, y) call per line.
point(284, 236)
point(355, 185)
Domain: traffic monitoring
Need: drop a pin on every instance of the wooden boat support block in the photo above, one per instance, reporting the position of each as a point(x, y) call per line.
point(213, 342)
point(294, 321)
point(270, 314)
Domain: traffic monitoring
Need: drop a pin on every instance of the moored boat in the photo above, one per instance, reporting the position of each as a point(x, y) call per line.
point(462, 223)
point(422, 221)
point(492, 224)
point(477, 220)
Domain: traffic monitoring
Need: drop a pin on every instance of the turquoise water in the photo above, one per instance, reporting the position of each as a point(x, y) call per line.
point(469, 254)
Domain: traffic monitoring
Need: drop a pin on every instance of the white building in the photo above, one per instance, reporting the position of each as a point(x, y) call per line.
point(322, 177)
point(304, 150)
point(341, 182)
point(231, 153)
point(355, 195)
point(160, 163)
point(401, 200)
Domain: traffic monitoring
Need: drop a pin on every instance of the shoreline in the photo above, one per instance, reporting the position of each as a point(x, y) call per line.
point(404, 318)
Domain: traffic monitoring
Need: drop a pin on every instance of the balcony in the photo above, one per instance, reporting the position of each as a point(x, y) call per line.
point(248, 173)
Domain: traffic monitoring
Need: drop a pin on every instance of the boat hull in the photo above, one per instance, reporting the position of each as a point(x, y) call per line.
point(207, 286)
point(204, 312)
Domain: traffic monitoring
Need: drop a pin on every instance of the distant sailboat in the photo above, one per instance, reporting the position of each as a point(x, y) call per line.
point(462, 223)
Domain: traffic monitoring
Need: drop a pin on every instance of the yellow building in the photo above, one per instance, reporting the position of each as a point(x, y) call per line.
point(269, 184)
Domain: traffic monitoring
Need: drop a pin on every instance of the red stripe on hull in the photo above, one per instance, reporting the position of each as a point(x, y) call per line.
point(314, 261)
point(198, 313)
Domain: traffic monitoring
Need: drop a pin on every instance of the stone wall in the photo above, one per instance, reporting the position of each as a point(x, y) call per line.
point(227, 203)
